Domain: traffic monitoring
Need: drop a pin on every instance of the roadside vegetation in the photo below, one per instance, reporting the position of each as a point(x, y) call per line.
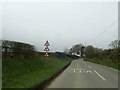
point(26, 73)
point(108, 57)
point(105, 61)
point(24, 67)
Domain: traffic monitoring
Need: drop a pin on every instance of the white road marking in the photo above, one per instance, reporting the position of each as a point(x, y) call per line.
point(104, 66)
point(111, 68)
point(99, 75)
point(74, 70)
point(80, 71)
point(89, 66)
point(88, 71)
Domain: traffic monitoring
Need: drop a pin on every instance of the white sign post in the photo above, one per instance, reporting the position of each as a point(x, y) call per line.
point(46, 49)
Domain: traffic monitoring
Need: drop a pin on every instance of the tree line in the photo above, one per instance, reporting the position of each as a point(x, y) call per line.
point(90, 51)
point(12, 49)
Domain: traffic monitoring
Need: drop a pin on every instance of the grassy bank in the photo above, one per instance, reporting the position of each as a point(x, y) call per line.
point(26, 73)
point(104, 61)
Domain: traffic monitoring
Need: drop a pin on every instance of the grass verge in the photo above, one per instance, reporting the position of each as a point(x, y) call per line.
point(104, 61)
point(26, 73)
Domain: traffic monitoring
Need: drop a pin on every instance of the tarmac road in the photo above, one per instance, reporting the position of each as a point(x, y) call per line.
point(82, 74)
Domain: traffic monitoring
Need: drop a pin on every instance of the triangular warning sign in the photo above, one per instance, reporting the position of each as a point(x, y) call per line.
point(47, 43)
point(46, 54)
point(46, 49)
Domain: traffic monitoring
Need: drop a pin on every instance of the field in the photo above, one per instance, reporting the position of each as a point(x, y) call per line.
point(26, 73)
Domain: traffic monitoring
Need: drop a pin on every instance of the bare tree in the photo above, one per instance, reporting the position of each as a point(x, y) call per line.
point(66, 50)
point(114, 44)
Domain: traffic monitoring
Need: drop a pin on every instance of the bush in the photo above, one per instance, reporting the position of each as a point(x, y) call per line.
point(12, 49)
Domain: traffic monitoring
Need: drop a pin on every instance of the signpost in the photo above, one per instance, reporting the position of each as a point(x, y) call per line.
point(46, 48)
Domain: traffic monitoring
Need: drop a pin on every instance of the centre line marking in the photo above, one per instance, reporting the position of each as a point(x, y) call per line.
point(89, 66)
point(99, 75)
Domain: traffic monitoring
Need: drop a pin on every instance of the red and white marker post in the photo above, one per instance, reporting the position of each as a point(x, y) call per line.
point(46, 48)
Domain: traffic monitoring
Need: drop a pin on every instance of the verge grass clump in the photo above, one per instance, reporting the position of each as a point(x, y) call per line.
point(26, 73)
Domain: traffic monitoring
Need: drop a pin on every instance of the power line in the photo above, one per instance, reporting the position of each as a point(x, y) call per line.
point(100, 34)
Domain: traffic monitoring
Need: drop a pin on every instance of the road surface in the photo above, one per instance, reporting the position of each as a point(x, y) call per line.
point(82, 74)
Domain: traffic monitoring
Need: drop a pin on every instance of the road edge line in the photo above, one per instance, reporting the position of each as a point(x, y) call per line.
point(99, 75)
point(104, 66)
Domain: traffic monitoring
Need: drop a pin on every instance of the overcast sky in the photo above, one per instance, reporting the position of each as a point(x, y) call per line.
point(62, 24)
